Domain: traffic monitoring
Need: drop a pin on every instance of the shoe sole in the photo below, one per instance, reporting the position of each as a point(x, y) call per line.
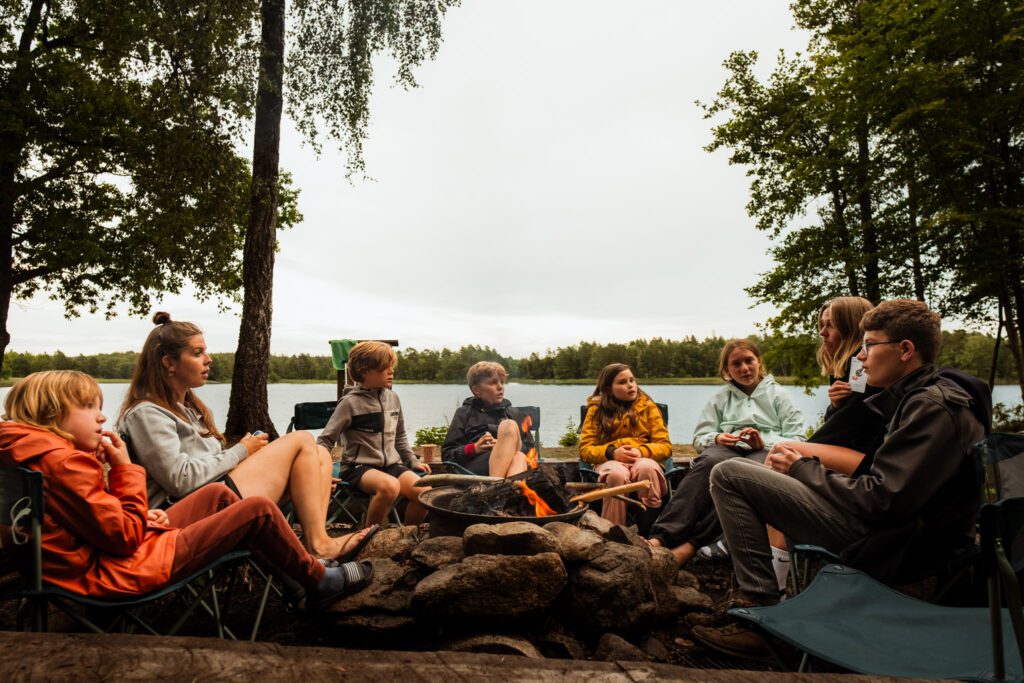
point(764, 657)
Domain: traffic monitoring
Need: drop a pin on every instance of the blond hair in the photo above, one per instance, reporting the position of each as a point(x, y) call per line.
point(370, 355)
point(43, 398)
point(733, 345)
point(846, 313)
point(485, 369)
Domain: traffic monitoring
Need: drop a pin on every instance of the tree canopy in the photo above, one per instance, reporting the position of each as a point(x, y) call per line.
point(886, 160)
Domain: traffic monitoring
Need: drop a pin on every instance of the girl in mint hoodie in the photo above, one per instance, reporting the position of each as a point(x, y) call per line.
point(745, 418)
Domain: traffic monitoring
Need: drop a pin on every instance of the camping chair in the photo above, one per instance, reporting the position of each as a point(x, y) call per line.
point(315, 415)
point(532, 412)
point(849, 619)
point(22, 505)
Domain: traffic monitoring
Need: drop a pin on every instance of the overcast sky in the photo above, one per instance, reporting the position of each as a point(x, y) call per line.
point(545, 184)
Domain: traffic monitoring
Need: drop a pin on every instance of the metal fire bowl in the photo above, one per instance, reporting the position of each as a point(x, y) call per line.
point(445, 522)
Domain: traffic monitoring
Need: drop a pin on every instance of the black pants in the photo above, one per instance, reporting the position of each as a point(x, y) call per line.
point(690, 516)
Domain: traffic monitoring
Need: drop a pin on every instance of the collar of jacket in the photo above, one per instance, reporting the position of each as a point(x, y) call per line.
point(477, 404)
point(761, 387)
point(886, 402)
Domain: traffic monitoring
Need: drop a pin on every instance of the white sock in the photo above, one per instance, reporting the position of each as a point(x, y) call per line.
point(780, 563)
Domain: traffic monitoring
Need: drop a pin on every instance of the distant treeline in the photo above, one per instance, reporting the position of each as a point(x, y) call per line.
point(654, 358)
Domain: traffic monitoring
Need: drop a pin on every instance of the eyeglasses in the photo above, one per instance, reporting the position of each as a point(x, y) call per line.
point(866, 346)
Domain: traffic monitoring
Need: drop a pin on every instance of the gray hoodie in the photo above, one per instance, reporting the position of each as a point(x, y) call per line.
point(371, 422)
point(177, 458)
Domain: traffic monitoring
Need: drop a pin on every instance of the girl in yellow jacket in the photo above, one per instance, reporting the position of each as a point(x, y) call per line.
point(624, 438)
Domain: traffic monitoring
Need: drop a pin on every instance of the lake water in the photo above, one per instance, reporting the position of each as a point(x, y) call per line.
point(429, 405)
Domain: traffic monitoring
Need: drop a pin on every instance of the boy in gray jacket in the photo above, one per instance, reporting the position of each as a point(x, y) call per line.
point(377, 458)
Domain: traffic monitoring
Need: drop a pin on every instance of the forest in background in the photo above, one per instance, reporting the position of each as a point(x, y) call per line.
point(791, 356)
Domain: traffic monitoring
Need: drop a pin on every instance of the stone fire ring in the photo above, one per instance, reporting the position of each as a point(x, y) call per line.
point(445, 522)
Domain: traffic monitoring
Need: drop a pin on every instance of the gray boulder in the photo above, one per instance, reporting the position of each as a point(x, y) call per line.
point(513, 538)
point(577, 545)
point(596, 523)
point(438, 552)
point(394, 542)
point(491, 588)
point(613, 648)
point(613, 592)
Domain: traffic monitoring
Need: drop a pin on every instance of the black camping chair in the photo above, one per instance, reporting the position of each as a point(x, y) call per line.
point(849, 619)
point(532, 412)
point(22, 505)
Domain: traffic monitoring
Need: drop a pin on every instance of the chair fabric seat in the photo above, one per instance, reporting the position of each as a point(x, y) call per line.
point(847, 618)
point(136, 600)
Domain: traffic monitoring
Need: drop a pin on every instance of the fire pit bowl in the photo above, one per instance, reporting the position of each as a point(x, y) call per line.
point(445, 522)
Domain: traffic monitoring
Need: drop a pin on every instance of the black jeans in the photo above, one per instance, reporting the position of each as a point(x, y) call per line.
point(690, 516)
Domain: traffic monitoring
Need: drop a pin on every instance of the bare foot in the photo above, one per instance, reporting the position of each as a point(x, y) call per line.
point(332, 548)
point(684, 553)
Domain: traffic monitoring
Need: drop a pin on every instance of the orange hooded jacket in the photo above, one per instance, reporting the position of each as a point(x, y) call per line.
point(97, 540)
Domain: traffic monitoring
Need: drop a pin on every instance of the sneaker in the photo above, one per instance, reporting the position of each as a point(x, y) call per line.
point(715, 551)
point(734, 640)
point(719, 615)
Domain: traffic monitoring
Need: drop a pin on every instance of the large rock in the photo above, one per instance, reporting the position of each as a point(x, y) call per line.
point(627, 535)
point(612, 648)
point(395, 543)
point(495, 644)
point(390, 591)
point(687, 579)
point(596, 523)
point(691, 599)
point(613, 592)
point(513, 538)
point(491, 588)
point(577, 545)
point(664, 564)
point(438, 552)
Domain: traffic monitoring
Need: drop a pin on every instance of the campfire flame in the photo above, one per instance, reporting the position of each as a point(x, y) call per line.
point(531, 458)
point(526, 424)
point(542, 509)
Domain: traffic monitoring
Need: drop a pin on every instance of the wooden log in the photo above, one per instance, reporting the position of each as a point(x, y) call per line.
point(607, 493)
point(455, 480)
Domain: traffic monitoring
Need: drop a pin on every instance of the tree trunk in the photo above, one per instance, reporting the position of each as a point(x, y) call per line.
point(248, 407)
point(871, 269)
point(915, 238)
point(12, 145)
point(843, 233)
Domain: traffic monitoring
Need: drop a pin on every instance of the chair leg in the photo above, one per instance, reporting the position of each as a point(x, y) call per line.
point(262, 606)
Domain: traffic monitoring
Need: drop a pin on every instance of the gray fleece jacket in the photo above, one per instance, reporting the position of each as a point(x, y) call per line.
point(177, 458)
point(371, 423)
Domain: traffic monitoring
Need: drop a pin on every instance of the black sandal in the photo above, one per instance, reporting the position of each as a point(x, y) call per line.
point(357, 576)
point(354, 553)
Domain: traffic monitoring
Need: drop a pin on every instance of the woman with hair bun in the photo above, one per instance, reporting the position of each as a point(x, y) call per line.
point(172, 435)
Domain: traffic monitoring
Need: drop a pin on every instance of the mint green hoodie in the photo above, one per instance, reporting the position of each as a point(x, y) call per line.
point(767, 409)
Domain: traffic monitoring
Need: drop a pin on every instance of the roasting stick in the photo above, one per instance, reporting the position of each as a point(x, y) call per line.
point(631, 501)
point(455, 479)
point(613, 491)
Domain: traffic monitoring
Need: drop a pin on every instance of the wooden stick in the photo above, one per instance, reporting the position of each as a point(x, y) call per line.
point(613, 491)
point(631, 501)
point(455, 479)
point(583, 486)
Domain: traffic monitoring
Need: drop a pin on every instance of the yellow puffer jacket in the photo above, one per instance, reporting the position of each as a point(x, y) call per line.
point(649, 435)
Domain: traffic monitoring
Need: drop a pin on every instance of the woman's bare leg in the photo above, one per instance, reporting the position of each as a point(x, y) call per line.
point(384, 488)
point(292, 463)
point(503, 454)
point(415, 512)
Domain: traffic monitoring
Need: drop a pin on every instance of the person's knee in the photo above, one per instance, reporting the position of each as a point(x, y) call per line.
point(257, 506)
point(723, 472)
point(616, 476)
point(220, 494)
point(389, 487)
point(508, 428)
